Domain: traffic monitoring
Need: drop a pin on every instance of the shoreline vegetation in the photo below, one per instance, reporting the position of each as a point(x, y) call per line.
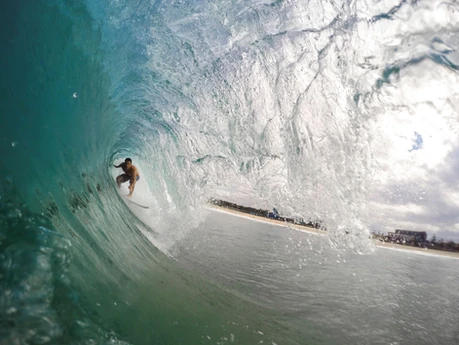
point(318, 228)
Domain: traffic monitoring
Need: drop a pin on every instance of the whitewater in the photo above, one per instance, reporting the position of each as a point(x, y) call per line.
point(307, 106)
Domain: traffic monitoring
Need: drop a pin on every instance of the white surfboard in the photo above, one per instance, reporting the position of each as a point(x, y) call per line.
point(133, 202)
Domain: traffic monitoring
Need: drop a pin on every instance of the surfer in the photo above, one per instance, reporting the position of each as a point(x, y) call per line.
point(131, 174)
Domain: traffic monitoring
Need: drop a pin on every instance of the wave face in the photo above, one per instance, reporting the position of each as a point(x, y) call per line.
point(267, 102)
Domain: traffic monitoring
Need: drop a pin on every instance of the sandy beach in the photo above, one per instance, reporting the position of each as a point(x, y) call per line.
point(379, 244)
point(402, 248)
point(269, 220)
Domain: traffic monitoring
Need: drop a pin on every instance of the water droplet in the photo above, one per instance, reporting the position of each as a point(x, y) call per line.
point(75, 95)
point(15, 143)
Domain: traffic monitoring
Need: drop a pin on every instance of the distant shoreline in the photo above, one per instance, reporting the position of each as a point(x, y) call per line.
point(426, 251)
point(311, 230)
point(269, 220)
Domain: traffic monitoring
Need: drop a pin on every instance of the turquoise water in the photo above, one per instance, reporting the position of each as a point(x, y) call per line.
point(237, 100)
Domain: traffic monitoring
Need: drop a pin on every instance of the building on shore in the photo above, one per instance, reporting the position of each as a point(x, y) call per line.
point(408, 236)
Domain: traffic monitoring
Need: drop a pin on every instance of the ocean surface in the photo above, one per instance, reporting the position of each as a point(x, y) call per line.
point(298, 290)
point(269, 103)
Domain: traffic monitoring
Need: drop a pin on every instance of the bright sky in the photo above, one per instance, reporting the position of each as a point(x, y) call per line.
point(416, 135)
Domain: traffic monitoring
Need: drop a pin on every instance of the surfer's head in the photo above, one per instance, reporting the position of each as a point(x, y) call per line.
point(128, 161)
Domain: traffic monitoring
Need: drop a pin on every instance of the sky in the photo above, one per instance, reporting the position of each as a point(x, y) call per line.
point(417, 153)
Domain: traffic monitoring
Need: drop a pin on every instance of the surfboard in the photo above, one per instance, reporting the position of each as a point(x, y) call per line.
point(133, 202)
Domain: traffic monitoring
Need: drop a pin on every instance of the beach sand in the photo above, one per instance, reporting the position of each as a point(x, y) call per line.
point(379, 244)
point(426, 251)
point(269, 220)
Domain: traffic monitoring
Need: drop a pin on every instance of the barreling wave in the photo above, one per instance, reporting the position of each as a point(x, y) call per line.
point(274, 102)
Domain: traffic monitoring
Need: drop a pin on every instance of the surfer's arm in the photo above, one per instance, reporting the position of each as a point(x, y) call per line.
point(131, 189)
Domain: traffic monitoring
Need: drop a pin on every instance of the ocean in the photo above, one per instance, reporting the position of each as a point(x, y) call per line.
point(269, 103)
point(298, 290)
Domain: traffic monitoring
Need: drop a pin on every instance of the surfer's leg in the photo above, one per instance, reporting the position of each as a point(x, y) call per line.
point(131, 185)
point(131, 180)
point(121, 179)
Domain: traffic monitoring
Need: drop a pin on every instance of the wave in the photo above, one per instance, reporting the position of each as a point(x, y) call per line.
point(269, 102)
